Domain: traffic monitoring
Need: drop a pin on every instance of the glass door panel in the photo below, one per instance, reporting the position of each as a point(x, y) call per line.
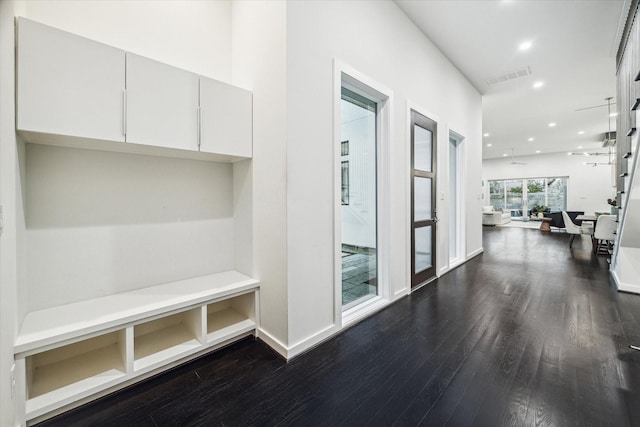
point(557, 194)
point(514, 198)
point(359, 198)
point(496, 194)
point(423, 256)
point(422, 149)
point(422, 200)
point(535, 195)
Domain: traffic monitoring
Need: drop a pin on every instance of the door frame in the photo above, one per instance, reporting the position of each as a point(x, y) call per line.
point(345, 75)
point(429, 274)
point(458, 217)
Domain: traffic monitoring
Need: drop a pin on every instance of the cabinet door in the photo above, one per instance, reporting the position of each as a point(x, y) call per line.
point(162, 104)
point(68, 85)
point(226, 119)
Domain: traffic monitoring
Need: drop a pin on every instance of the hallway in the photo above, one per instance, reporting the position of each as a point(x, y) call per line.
point(528, 333)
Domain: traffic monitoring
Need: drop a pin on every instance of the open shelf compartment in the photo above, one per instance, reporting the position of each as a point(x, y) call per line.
point(166, 339)
point(230, 317)
point(66, 373)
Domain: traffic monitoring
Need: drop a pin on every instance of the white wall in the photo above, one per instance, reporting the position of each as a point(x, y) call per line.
point(259, 64)
point(588, 189)
point(133, 221)
point(193, 35)
point(99, 223)
point(378, 40)
point(10, 199)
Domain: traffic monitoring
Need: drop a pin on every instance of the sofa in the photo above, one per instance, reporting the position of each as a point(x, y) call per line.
point(558, 221)
point(491, 216)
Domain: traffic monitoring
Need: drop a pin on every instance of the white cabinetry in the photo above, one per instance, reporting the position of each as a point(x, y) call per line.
point(68, 85)
point(85, 349)
point(77, 92)
point(162, 104)
point(226, 119)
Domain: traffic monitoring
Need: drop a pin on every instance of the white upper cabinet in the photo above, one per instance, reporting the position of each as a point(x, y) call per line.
point(226, 119)
point(72, 89)
point(162, 104)
point(68, 85)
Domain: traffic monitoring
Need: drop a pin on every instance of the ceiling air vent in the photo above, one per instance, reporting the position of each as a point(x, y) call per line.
point(511, 75)
point(609, 139)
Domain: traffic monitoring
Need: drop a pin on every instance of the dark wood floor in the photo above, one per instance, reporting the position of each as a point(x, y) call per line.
point(529, 333)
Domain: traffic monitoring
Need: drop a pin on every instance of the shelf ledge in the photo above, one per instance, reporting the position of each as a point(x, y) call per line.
point(56, 326)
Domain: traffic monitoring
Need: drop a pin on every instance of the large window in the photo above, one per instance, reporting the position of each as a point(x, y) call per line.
point(521, 196)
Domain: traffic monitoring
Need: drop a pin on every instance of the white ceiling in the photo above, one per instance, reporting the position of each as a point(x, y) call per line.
point(573, 52)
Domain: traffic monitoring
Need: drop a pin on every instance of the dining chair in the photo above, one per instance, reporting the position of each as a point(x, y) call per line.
point(573, 229)
point(605, 233)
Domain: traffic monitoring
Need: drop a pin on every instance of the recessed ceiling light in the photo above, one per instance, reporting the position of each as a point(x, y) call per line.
point(613, 114)
point(537, 151)
point(570, 153)
point(530, 139)
point(489, 145)
point(538, 85)
point(581, 132)
point(525, 45)
point(552, 124)
point(486, 134)
point(504, 155)
point(579, 147)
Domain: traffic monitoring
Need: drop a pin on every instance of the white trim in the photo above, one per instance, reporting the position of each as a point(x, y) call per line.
point(402, 292)
point(312, 341)
point(624, 287)
point(272, 342)
point(461, 161)
point(475, 253)
point(347, 76)
point(363, 310)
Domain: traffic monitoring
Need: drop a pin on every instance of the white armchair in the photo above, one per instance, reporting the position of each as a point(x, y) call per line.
point(494, 217)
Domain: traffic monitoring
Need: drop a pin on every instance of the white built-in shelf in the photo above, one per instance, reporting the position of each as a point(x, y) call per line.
point(166, 339)
point(74, 351)
point(226, 319)
point(65, 323)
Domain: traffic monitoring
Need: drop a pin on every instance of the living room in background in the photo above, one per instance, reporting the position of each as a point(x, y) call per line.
point(523, 198)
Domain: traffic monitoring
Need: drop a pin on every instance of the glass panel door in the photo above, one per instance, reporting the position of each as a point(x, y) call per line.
point(535, 196)
point(423, 212)
point(514, 198)
point(359, 198)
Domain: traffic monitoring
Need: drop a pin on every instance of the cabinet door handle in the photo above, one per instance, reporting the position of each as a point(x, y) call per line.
point(199, 127)
point(124, 113)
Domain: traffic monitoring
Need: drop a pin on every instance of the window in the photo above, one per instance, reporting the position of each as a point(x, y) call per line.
point(521, 196)
point(358, 149)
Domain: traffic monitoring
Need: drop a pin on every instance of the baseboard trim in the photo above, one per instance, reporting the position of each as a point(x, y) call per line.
point(475, 253)
point(312, 341)
point(272, 342)
point(399, 294)
point(624, 287)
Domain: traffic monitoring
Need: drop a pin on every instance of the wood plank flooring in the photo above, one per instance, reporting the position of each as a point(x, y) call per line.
point(530, 333)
